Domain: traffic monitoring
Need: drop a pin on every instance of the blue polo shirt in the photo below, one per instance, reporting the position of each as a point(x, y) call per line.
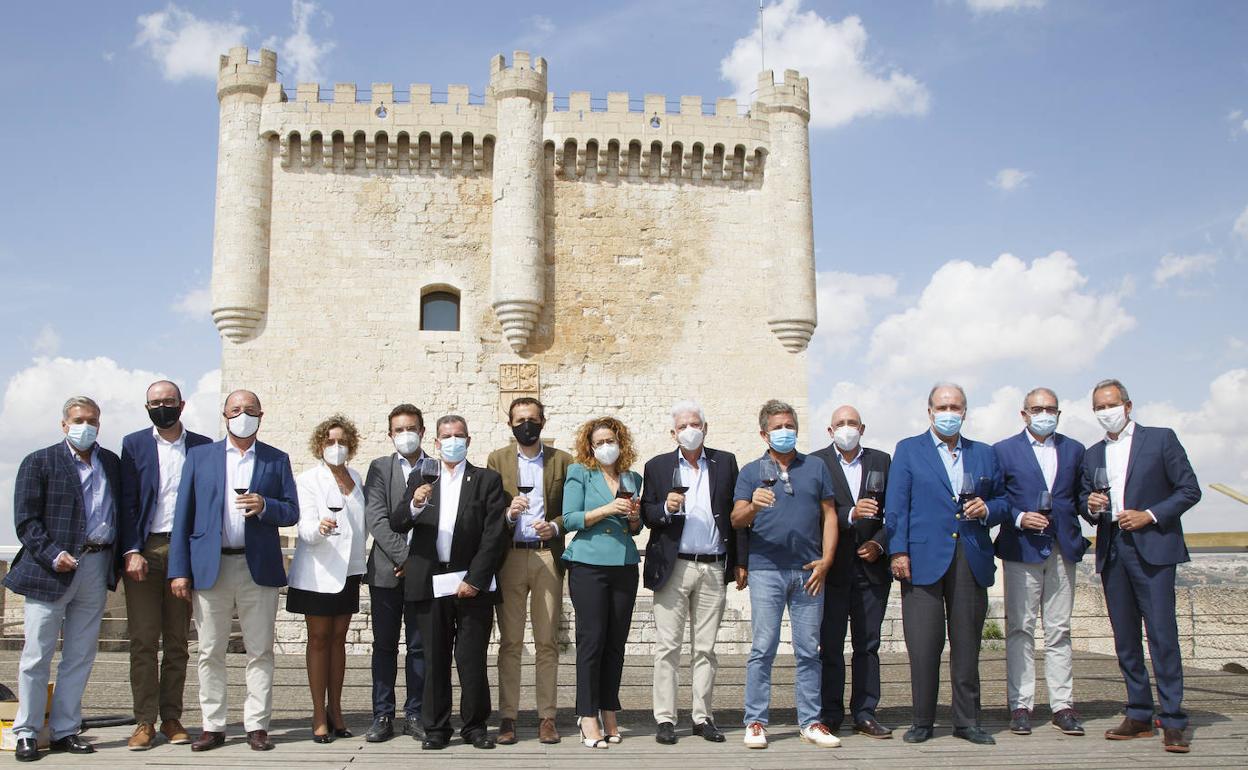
point(789, 535)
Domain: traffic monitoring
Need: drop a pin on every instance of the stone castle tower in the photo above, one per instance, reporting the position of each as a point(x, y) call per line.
point(608, 256)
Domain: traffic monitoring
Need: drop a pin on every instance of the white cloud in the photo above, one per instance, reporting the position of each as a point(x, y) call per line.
point(847, 304)
point(184, 45)
point(1009, 179)
point(47, 342)
point(1174, 266)
point(1241, 224)
point(996, 6)
point(844, 83)
point(300, 53)
point(30, 413)
point(108, 56)
point(969, 316)
point(195, 304)
point(1239, 123)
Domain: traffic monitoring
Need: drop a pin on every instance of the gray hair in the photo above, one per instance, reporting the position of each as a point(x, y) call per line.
point(773, 408)
point(83, 401)
point(685, 407)
point(940, 385)
point(447, 420)
point(1111, 383)
point(1034, 391)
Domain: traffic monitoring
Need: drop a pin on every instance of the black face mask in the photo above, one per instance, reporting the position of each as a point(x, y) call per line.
point(164, 416)
point(527, 432)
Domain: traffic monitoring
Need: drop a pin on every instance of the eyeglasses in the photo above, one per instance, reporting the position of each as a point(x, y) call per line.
point(1043, 410)
point(251, 410)
point(171, 401)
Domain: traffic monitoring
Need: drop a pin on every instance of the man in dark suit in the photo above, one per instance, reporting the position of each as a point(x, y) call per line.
point(857, 590)
point(532, 571)
point(690, 557)
point(384, 488)
point(1139, 542)
point(151, 470)
point(940, 549)
point(65, 514)
point(1039, 550)
point(225, 548)
point(458, 543)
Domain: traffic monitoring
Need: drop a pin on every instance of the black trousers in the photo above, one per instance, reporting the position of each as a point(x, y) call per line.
point(603, 598)
point(459, 629)
point(956, 605)
point(390, 613)
point(857, 605)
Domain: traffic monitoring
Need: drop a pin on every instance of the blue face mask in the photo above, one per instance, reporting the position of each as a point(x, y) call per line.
point(947, 423)
point(453, 448)
point(1043, 424)
point(783, 440)
point(82, 435)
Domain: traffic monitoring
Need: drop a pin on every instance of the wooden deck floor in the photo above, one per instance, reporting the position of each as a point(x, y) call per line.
point(1217, 702)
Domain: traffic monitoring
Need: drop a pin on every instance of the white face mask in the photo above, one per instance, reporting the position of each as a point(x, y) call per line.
point(690, 438)
point(335, 454)
point(607, 454)
point(243, 425)
point(407, 442)
point(846, 437)
point(1113, 419)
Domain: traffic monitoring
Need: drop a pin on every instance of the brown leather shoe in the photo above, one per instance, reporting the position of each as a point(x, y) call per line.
point(1174, 739)
point(506, 732)
point(546, 732)
point(142, 737)
point(208, 740)
point(258, 740)
point(1130, 728)
point(872, 729)
point(175, 732)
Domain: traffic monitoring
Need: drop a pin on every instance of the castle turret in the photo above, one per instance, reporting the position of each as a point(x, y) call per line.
point(517, 264)
point(240, 243)
point(786, 108)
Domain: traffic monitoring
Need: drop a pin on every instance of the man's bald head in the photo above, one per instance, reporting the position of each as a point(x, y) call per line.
point(845, 415)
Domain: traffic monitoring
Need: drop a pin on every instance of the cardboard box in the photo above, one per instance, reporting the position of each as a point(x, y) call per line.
point(8, 712)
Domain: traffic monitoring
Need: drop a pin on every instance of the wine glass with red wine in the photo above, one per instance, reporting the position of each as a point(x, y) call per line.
point(966, 494)
point(768, 472)
point(334, 504)
point(430, 469)
point(678, 485)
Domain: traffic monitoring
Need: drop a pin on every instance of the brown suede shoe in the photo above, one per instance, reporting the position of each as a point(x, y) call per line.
point(1130, 728)
point(1175, 740)
point(506, 732)
point(258, 740)
point(546, 732)
point(175, 732)
point(142, 737)
point(208, 740)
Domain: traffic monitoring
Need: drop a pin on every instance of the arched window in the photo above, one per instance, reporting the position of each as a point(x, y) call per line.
point(439, 311)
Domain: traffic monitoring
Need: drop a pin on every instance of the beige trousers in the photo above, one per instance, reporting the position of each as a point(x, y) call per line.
point(528, 576)
point(693, 597)
point(157, 620)
point(1047, 590)
point(257, 615)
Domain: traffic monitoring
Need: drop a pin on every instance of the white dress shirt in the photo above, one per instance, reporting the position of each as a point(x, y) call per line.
point(406, 467)
point(1117, 456)
point(171, 456)
point(238, 470)
point(1046, 455)
point(532, 470)
point(700, 535)
point(449, 485)
point(853, 475)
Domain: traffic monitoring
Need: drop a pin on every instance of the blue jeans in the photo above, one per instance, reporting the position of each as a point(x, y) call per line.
point(770, 592)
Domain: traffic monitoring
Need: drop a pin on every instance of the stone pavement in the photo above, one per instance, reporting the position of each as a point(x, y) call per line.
point(1217, 701)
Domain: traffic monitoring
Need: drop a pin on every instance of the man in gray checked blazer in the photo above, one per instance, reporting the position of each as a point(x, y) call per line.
point(384, 487)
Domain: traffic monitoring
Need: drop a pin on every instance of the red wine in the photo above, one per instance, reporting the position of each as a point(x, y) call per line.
point(1104, 491)
point(623, 493)
point(869, 495)
point(769, 483)
point(332, 509)
point(428, 478)
point(524, 490)
point(240, 490)
point(680, 490)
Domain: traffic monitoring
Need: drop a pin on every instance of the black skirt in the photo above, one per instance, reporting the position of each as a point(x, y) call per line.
point(345, 602)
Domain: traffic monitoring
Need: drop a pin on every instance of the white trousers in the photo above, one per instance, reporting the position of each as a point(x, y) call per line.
point(77, 613)
point(1045, 589)
point(257, 615)
point(692, 597)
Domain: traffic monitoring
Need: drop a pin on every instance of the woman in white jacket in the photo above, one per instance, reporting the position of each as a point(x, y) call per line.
point(329, 561)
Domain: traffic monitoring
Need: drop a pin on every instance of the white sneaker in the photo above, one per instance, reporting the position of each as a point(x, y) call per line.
point(755, 736)
point(821, 736)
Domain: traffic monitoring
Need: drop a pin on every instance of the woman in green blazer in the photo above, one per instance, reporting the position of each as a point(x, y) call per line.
point(602, 569)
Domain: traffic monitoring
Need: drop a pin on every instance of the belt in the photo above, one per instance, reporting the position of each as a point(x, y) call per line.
point(531, 545)
point(165, 535)
point(703, 558)
point(233, 551)
point(96, 547)
point(445, 566)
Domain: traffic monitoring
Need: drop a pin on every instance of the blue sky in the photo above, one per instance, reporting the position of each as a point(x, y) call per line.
point(1103, 145)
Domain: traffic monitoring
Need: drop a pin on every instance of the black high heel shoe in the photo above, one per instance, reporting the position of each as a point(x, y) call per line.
point(337, 732)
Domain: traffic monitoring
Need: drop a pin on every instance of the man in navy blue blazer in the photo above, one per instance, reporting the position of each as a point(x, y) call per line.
point(941, 551)
point(1148, 485)
point(1039, 548)
point(225, 548)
